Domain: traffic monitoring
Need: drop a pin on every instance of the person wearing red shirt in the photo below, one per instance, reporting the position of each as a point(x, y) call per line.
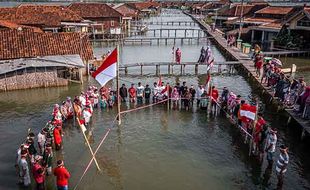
point(258, 133)
point(62, 176)
point(214, 95)
point(38, 173)
point(57, 138)
point(132, 93)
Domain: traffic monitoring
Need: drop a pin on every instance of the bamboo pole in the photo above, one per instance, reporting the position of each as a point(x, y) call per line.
point(91, 151)
point(117, 86)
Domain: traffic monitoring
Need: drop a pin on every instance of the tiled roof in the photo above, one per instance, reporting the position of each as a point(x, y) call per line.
point(26, 43)
point(126, 10)
point(93, 10)
point(13, 25)
point(307, 9)
point(273, 25)
point(7, 13)
point(275, 10)
point(144, 5)
point(236, 10)
point(45, 15)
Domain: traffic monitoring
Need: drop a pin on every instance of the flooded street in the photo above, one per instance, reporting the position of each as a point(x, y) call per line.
point(154, 148)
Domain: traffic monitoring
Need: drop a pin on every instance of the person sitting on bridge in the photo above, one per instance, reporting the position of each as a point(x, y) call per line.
point(178, 56)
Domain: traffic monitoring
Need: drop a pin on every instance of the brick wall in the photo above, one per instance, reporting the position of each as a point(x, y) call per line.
point(31, 80)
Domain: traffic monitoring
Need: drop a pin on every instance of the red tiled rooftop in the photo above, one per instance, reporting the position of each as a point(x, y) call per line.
point(126, 10)
point(47, 15)
point(13, 25)
point(94, 10)
point(275, 10)
point(15, 44)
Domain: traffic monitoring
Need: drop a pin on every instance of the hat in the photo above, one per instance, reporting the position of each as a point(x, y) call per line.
point(60, 163)
point(38, 158)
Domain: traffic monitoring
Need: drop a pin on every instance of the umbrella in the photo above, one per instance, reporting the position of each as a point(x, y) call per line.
point(276, 62)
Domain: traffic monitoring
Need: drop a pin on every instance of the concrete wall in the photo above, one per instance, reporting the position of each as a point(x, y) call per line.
point(31, 80)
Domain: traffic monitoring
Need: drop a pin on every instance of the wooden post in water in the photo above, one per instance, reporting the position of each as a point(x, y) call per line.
point(175, 33)
point(141, 70)
point(126, 71)
point(185, 32)
point(169, 69)
point(157, 70)
point(196, 69)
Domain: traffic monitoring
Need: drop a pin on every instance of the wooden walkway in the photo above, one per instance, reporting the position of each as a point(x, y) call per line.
point(171, 31)
point(169, 23)
point(151, 40)
point(170, 65)
point(248, 66)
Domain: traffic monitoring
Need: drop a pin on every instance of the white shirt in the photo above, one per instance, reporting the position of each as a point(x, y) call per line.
point(82, 100)
point(140, 90)
point(41, 139)
point(272, 140)
point(156, 91)
point(86, 115)
point(199, 92)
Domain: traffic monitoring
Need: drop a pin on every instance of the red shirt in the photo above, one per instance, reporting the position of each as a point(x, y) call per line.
point(57, 136)
point(132, 92)
point(214, 94)
point(39, 178)
point(62, 175)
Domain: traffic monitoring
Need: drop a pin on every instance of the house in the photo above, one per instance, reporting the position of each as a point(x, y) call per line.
point(128, 14)
point(267, 22)
point(4, 25)
point(49, 18)
point(229, 16)
point(105, 19)
point(146, 8)
point(298, 27)
point(31, 59)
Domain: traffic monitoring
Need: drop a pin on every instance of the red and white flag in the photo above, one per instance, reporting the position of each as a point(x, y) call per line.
point(209, 58)
point(160, 82)
point(107, 70)
point(248, 111)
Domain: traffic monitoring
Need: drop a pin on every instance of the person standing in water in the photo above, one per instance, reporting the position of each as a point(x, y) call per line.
point(281, 165)
point(147, 94)
point(62, 176)
point(140, 93)
point(202, 55)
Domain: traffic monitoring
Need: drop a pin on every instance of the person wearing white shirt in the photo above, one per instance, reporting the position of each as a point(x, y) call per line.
point(140, 93)
point(200, 91)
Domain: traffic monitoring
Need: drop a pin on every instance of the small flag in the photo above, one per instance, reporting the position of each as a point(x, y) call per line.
point(159, 83)
point(107, 70)
point(248, 111)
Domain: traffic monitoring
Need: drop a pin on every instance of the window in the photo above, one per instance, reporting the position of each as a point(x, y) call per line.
point(112, 22)
point(304, 22)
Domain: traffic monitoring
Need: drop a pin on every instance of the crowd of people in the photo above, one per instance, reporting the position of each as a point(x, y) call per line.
point(293, 93)
point(34, 157)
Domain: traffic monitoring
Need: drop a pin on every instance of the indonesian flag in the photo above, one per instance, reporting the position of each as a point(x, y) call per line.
point(159, 83)
point(209, 58)
point(107, 70)
point(248, 111)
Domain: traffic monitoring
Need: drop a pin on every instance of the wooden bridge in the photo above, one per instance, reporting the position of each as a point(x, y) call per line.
point(218, 67)
point(170, 31)
point(168, 23)
point(150, 40)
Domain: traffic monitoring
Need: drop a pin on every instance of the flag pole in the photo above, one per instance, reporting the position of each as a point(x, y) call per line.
point(117, 86)
point(83, 129)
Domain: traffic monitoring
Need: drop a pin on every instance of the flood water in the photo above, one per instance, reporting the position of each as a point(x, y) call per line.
point(153, 148)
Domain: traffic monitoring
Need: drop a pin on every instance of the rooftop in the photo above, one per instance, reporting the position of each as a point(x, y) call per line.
point(94, 10)
point(13, 25)
point(45, 15)
point(275, 10)
point(26, 43)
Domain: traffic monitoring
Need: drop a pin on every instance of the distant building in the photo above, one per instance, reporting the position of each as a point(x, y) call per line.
point(31, 59)
point(105, 20)
point(49, 18)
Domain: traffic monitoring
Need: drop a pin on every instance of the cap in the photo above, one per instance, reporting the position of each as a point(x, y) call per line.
point(38, 157)
point(60, 163)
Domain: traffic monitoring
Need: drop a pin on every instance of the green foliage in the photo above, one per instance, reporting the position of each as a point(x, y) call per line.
point(288, 39)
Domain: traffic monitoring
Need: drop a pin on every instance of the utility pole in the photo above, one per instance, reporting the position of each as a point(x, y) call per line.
point(240, 21)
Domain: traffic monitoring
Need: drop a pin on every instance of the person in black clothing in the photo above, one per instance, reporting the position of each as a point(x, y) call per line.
point(183, 89)
point(193, 92)
point(147, 94)
point(123, 93)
